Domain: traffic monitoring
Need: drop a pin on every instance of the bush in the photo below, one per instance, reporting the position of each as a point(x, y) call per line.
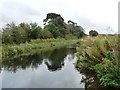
point(93, 33)
point(13, 34)
point(11, 52)
point(99, 54)
point(108, 73)
point(44, 34)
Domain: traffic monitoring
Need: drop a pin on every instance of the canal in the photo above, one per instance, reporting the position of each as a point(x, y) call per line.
point(54, 68)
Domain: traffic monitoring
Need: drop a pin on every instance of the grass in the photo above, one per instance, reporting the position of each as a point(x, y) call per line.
point(9, 51)
point(100, 54)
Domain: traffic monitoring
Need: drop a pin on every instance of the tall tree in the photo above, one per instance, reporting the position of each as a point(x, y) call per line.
point(27, 29)
point(13, 34)
point(35, 30)
point(75, 30)
point(55, 25)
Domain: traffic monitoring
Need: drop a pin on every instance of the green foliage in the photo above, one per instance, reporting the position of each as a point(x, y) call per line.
point(75, 30)
point(70, 36)
point(99, 54)
point(109, 55)
point(78, 31)
point(7, 36)
point(33, 46)
point(55, 25)
point(13, 34)
point(56, 17)
point(11, 52)
point(26, 27)
point(44, 34)
point(93, 33)
point(59, 28)
point(19, 35)
point(108, 73)
point(22, 33)
point(55, 28)
point(35, 30)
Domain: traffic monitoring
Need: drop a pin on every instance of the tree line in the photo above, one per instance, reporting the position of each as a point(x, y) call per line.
point(55, 27)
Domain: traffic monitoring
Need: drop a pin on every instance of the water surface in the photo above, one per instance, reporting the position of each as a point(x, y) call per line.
point(47, 69)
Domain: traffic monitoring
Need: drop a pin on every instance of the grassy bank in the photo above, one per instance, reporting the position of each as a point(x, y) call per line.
point(100, 54)
point(9, 51)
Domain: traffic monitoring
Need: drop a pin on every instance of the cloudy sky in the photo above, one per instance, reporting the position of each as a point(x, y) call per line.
point(101, 15)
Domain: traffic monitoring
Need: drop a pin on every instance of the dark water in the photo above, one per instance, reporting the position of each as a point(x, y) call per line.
point(46, 69)
point(51, 69)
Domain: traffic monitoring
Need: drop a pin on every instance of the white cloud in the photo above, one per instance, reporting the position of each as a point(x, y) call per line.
point(91, 14)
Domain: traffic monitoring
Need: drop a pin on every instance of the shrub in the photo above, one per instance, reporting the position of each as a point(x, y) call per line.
point(99, 54)
point(108, 73)
point(93, 33)
point(11, 52)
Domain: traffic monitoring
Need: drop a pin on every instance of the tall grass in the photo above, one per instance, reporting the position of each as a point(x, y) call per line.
point(100, 54)
point(9, 51)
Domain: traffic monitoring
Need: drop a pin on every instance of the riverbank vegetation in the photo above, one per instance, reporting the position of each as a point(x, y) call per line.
point(95, 53)
point(54, 27)
point(24, 38)
point(100, 54)
point(10, 51)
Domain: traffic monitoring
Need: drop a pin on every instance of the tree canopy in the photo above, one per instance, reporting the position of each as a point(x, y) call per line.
point(93, 33)
point(55, 27)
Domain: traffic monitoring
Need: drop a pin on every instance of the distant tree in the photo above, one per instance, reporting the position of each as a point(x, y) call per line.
point(75, 30)
point(78, 31)
point(13, 34)
point(44, 34)
point(93, 33)
point(27, 29)
point(55, 25)
point(54, 30)
point(71, 22)
point(7, 36)
point(53, 16)
point(35, 30)
point(19, 35)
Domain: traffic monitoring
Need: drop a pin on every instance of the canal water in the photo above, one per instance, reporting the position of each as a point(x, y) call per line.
point(54, 68)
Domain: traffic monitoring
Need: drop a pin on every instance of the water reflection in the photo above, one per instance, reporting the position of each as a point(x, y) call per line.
point(22, 62)
point(47, 69)
point(54, 59)
point(90, 80)
point(52, 68)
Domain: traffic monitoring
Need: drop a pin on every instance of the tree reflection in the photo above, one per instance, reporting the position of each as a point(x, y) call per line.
point(22, 62)
point(54, 59)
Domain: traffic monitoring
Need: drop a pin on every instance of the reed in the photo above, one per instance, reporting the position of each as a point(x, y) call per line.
point(99, 52)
